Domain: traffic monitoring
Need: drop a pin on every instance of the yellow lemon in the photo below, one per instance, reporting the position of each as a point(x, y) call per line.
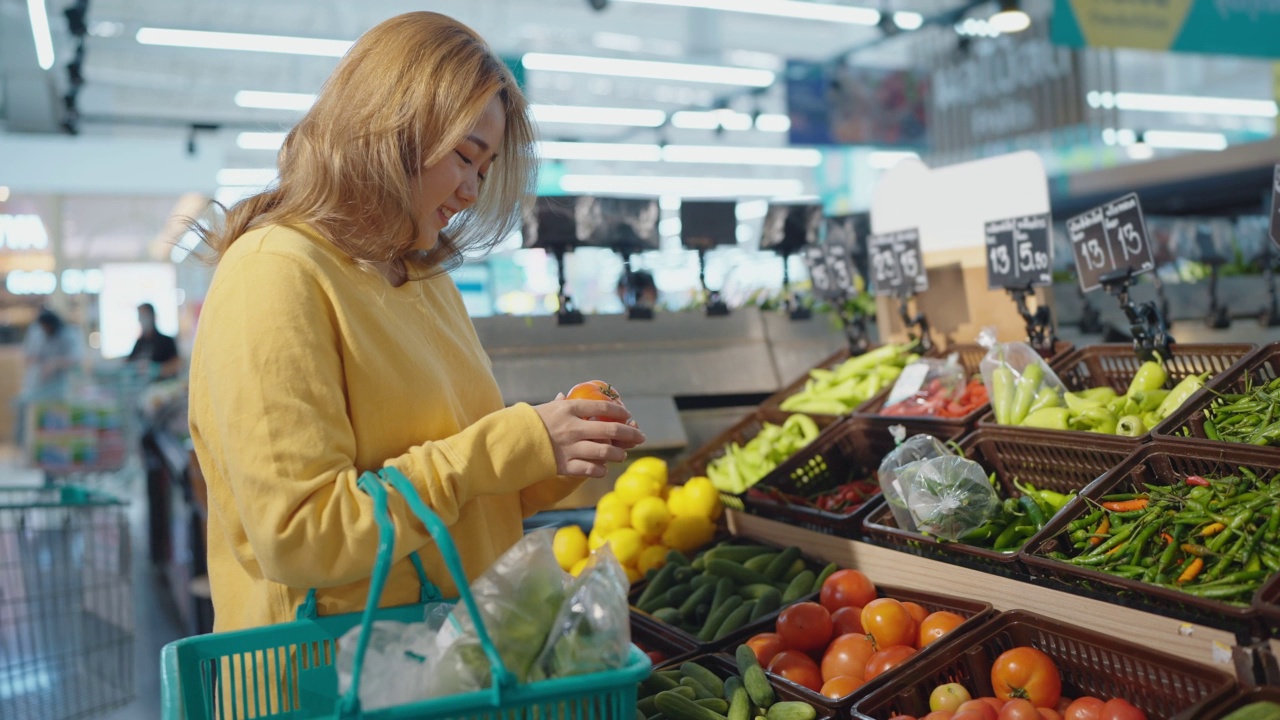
point(633, 575)
point(650, 517)
point(570, 546)
point(652, 466)
point(634, 487)
point(611, 499)
point(687, 534)
point(579, 566)
point(626, 544)
point(652, 558)
point(675, 501)
point(700, 499)
point(612, 518)
point(595, 540)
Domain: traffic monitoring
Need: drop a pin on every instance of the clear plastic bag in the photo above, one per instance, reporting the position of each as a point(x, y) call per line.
point(900, 464)
point(519, 598)
point(593, 630)
point(948, 496)
point(398, 662)
point(927, 381)
point(1018, 379)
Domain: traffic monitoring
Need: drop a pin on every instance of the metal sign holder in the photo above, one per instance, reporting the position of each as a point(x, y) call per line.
point(1151, 338)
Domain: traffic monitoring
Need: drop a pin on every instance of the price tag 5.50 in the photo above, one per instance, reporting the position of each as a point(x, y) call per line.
point(897, 266)
point(1110, 238)
point(1019, 253)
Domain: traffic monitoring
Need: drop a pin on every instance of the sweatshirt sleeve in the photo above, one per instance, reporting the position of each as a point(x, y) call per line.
point(272, 378)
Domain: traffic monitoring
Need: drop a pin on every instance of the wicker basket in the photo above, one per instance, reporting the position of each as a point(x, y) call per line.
point(1260, 366)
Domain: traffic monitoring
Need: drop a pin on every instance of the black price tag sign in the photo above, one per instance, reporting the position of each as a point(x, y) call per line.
point(843, 273)
point(1275, 208)
point(1109, 238)
point(815, 259)
point(897, 266)
point(1019, 252)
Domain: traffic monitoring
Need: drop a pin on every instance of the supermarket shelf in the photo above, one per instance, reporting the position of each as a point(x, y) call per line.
point(1207, 646)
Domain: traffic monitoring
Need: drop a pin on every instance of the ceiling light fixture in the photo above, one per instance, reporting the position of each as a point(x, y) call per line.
point(793, 9)
point(1010, 18)
point(649, 69)
point(623, 152)
point(39, 15)
point(908, 20)
point(773, 122)
point(275, 100)
point(207, 40)
point(1184, 104)
point(722, 155)
point(711, 120)
point(585, 115)
point(1179, 140)
point(688, 187)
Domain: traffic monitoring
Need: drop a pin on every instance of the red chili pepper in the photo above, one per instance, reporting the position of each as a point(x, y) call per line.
point(1197, 480)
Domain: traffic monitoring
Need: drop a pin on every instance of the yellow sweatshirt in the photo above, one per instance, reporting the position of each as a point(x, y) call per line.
point(308, 371)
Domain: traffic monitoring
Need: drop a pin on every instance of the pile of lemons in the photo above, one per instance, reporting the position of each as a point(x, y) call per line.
point(642, 519)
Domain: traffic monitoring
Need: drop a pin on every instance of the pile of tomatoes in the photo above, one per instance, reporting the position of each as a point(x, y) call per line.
point(938, 400)
point(1027, 686)
point(848, 638)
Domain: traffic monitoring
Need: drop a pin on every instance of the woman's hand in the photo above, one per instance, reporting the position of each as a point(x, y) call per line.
point(583, 447)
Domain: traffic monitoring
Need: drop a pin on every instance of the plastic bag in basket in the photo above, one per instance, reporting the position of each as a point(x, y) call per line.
point(925, 386)
point(593, 630)
point(398, 662)
point(1019, 380)
point(948, 496)
point(903, 457)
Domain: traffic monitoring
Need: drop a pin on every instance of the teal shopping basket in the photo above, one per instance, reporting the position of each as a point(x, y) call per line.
point(288, 671)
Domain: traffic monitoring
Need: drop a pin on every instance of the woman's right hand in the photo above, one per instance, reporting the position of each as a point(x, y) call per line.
point(582, 446)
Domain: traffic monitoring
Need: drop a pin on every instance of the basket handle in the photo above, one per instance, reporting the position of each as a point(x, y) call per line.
point(349, 703)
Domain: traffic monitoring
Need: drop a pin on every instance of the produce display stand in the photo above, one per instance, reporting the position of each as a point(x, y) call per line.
point(1204, 645)
point(1061, 467)
point(773, 403)
point(1265, 693)
point(1091, 663)
point(1187, 424)
point(1114, 365)
point(1162, 463)
point(1267, 603)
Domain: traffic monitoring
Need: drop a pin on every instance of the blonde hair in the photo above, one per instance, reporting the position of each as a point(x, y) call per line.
point(404, 96)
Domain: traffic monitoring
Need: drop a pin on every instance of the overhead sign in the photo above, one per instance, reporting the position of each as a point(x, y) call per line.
point(1025, 85)
point(1019, 253)
point(1220, 27)
point(897, 267)
point(1110, 238)
point(840, 105)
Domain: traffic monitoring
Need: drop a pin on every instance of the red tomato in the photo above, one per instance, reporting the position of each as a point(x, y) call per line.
point(1019, 710)
point(979, 708)
point(765, 646)
point(1121, 709)
point(1049, 714)
point(887, 659)
point(975, 714)
point(797, 667)
point(847, 656)
point(889, 623)
point(656, 657)
point(838, 687)
point(806, 627)
point(996, 703)
point(595, 390)
point(938, 624)
point(1085, 708)
point(848, 620)
point(939, 715)
point(846, 588)
point(918, 613)
point(1063, 704)
point(1025, 672)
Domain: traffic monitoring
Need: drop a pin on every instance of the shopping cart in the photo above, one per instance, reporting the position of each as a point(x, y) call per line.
point(66, 606)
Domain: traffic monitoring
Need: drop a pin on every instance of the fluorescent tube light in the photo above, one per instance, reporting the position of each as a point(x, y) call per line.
point(260, 140)
point(275, 100)
point(650, 69)
point(40, 31)
point(688, 187)
point(908, 20)
point(260, 177)
point(724, 155)
point(1189, 104)
point(207, 40)
point(771, 122)
point(710, 120)
point(793, 9)
point(548, 150)
point(1178, 140)
point(617, 41)
point(570, 114)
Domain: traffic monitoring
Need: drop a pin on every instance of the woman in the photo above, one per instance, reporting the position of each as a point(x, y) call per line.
point(332, 342)
point(52, 352)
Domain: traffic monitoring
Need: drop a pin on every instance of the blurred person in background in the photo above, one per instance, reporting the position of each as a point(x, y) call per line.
point(52, 351)
point(154, 350)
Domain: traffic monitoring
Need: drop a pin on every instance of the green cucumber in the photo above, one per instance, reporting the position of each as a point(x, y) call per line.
point(731, 683)
point(703, 579)
point(668, 615)
point(802, 585)
point(691, 603)
point(704, 676)
point(661, 583)
point(755, 592)
point(827, 572)
point(717, 617)
point(700, 690)
point(675, 557)
point(796, 568)
point(792, 710)
point(724, 590)
point(1256, 711)
point(736, 572)
point(736, 619)
point(681, 708)
point(782, 563)
point(760, 562)
point(740, 704)
point(737, 553)
point(753, 678)
point(656, 683)
point(716, 705)
point(766, 603)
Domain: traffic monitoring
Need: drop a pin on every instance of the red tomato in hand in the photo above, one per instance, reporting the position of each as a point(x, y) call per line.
point(1085, 708)
point(936, 625)
point(838, 687)
point(1025, 672)
point(848, 621)
point(798, 668)
point(918, 613)
point(1121, 709)
point(846, 588)
point(766, 646)
point(887, 659)
point(847, 656)
point(596, 390)
point(890, 623)
point(1018, 709)
point(806, 627)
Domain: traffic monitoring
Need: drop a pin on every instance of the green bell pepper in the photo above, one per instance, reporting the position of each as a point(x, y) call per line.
point(1150, 376)
point(1050, 418)
point(1180, 393)
point(1046, 398)
point(1131, 426)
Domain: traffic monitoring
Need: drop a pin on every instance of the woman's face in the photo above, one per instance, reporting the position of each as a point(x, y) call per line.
point(451, 185)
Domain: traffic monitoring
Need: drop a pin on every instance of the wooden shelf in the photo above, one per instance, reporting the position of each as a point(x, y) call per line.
point(1208, 646)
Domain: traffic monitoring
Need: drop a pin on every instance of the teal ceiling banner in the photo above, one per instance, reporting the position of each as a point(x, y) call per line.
point(1220, 27)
